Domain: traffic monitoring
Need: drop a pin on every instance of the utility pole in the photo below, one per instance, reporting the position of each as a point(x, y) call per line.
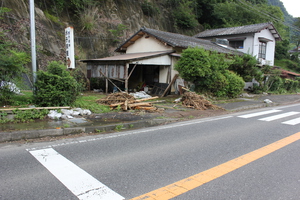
point(33, 46)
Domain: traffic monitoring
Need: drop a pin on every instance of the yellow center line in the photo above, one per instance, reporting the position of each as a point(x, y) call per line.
point(184, 185)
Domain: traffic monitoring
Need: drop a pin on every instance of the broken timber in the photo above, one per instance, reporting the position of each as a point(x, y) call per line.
point(135, 104)
point(170, 84)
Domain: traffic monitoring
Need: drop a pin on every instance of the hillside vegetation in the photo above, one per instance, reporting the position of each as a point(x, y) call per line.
point(101, 25)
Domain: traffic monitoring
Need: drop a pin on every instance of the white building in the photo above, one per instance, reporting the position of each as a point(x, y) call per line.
point(258, 40)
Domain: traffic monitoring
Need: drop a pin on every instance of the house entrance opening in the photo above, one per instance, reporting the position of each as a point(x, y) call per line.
point(143, 76)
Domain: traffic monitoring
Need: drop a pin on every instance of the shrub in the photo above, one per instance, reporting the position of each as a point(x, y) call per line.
point(12, 63)
point(194, 64)
point(209, 71)
point(88, 18)
point(55, 87)
point(149, 9)
point(118, 32)
point(235, 84)
point(246, 67)
point(184, 15)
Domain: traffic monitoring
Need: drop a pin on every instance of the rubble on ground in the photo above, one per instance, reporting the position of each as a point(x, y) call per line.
point(68, 113)
point(140, 95)
point(193, 100)
point(11, 86)
point(126, 101)
point(268, 101)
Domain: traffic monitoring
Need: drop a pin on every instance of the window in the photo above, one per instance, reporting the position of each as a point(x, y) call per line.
point(237, 44)
point(262, 50)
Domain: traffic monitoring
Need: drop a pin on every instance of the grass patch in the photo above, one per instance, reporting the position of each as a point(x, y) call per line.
point(161, 117)
point(23, 100)
point(88, 101)
point(85, 101)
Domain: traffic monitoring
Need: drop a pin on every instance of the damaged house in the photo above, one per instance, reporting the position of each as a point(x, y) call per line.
point(147, 58)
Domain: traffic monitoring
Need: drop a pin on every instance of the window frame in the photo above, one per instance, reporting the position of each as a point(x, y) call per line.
point(262, 51)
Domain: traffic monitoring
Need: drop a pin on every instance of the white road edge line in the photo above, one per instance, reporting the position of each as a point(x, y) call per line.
point(126, 133)
point(79, 182)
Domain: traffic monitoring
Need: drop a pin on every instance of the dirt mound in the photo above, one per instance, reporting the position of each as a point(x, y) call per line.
point(193, 100)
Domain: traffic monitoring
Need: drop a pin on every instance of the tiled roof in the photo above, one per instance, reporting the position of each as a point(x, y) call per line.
point(177, 40)
point(253, 28)
point(129, 56)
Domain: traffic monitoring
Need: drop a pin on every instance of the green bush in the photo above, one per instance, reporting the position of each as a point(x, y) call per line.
point(6, 95)
point(194, 64)
point(274, 83)
point(56, 87)
point(235, 84)
point(246, 67)
point(118, 32)
point(149, 8)
point(12, 63)
point(209, 71)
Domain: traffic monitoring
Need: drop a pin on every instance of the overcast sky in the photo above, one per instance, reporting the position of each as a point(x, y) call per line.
point(292, 6)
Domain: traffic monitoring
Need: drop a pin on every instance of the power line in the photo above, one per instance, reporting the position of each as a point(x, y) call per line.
point(269, 15)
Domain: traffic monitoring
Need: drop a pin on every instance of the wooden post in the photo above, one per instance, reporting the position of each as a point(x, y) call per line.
point(126, 77)
point(106, 80)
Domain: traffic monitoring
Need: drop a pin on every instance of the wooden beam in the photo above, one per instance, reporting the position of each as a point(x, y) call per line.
point(131, 71)
point(169, 86)
point(111, 82)
point(36, 108)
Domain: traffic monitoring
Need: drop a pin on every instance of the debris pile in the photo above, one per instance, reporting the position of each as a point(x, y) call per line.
point(126, 101)
point(193, 100)
point(68, 113)
point(140, 95)
point(114, 98)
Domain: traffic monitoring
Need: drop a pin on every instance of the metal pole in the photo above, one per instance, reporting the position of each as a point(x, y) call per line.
point(32, 34)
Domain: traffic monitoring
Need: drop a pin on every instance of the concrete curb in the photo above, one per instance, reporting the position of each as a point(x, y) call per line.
point(32, 134)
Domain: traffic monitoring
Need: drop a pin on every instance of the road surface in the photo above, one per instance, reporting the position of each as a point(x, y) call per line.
point(247, 155)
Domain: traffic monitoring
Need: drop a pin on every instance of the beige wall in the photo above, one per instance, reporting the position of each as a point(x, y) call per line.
point(149, 44)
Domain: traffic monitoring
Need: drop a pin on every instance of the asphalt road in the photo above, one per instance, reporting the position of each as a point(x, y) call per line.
point(236, 156)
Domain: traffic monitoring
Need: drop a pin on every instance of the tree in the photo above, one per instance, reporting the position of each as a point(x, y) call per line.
point(281, 50)
point(296, 36)
point(184, 15)
point(241, 12)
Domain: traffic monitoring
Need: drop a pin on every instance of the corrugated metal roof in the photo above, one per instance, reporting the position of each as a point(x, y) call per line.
point(129, 56)
point(253, 28)
point(176, 40)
